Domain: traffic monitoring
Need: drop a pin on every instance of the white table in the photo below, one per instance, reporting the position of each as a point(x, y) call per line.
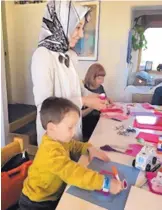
point(143, 200)
point(104, 133)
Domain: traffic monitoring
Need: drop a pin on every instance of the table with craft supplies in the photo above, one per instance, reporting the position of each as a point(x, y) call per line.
point(108, 135)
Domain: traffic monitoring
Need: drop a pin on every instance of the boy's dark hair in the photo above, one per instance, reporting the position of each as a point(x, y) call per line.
point(54, 109)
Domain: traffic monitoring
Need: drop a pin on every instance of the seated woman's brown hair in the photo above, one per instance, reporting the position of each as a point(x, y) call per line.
point(94, 71)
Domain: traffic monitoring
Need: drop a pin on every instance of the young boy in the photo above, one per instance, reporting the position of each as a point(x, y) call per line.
point(52, 167)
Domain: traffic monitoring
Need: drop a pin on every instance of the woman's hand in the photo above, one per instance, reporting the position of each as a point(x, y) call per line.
point(94, 102)
point(86, 111)
point(109, 100)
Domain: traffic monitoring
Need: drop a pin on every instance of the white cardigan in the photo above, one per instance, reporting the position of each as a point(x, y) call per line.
point(51, 78)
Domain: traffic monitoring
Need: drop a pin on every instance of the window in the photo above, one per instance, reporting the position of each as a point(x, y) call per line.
point(154, 48)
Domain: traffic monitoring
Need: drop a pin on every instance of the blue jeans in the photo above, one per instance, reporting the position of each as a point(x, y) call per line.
point(157, 97)
point(26, 204)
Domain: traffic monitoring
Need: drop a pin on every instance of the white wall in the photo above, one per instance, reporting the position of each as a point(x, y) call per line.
point(115, 22)
point(23, 25)
point(4, 111)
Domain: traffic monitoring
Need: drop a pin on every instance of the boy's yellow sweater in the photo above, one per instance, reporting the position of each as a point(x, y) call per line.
point(52, 168)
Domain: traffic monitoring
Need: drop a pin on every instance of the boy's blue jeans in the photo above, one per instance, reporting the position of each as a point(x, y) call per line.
point(26, 204)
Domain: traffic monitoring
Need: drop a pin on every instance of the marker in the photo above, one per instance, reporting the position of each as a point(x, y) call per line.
point(115, 172)
point(116, 119)
point(156, 167)
point(152, 170)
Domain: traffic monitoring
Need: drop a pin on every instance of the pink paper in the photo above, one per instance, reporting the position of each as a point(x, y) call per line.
point(148, 106)
point(115, 116)
point(134, 149)
point(149, 137)
point(117, 110)
point(158, 113)
point(147, 126)
point(153, 186)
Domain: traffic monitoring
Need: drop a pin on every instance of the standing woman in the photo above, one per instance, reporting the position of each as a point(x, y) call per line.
point(53, 72)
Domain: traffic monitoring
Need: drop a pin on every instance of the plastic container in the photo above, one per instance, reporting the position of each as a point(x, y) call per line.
point(12, 184)
point(102, 96)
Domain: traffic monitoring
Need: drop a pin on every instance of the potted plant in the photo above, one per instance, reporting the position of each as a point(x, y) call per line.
point(138, 38)
point(139, 41)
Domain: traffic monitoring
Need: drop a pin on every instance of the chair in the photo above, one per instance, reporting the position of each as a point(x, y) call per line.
point(12, 181)
point(10, 150)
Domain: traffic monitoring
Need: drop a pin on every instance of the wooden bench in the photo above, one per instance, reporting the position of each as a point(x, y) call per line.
point(141, 98)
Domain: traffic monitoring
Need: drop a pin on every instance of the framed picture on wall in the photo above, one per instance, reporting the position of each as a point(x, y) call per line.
point(87, 47)
point(148, 65)
point(29, 1)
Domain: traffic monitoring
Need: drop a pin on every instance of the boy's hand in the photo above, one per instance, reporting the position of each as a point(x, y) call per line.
point(93, 152)
point(115, 186)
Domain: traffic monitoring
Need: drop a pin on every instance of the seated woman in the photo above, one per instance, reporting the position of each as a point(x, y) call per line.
point(157, 97)
point(93, 82)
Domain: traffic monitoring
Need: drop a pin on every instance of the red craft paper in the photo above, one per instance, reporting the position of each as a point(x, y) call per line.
point(156, 126)
point(149, 137)
point(134, 149)
point(118, 110)
point(148, 106)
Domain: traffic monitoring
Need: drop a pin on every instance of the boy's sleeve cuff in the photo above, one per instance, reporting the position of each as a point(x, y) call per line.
point(106, 184)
